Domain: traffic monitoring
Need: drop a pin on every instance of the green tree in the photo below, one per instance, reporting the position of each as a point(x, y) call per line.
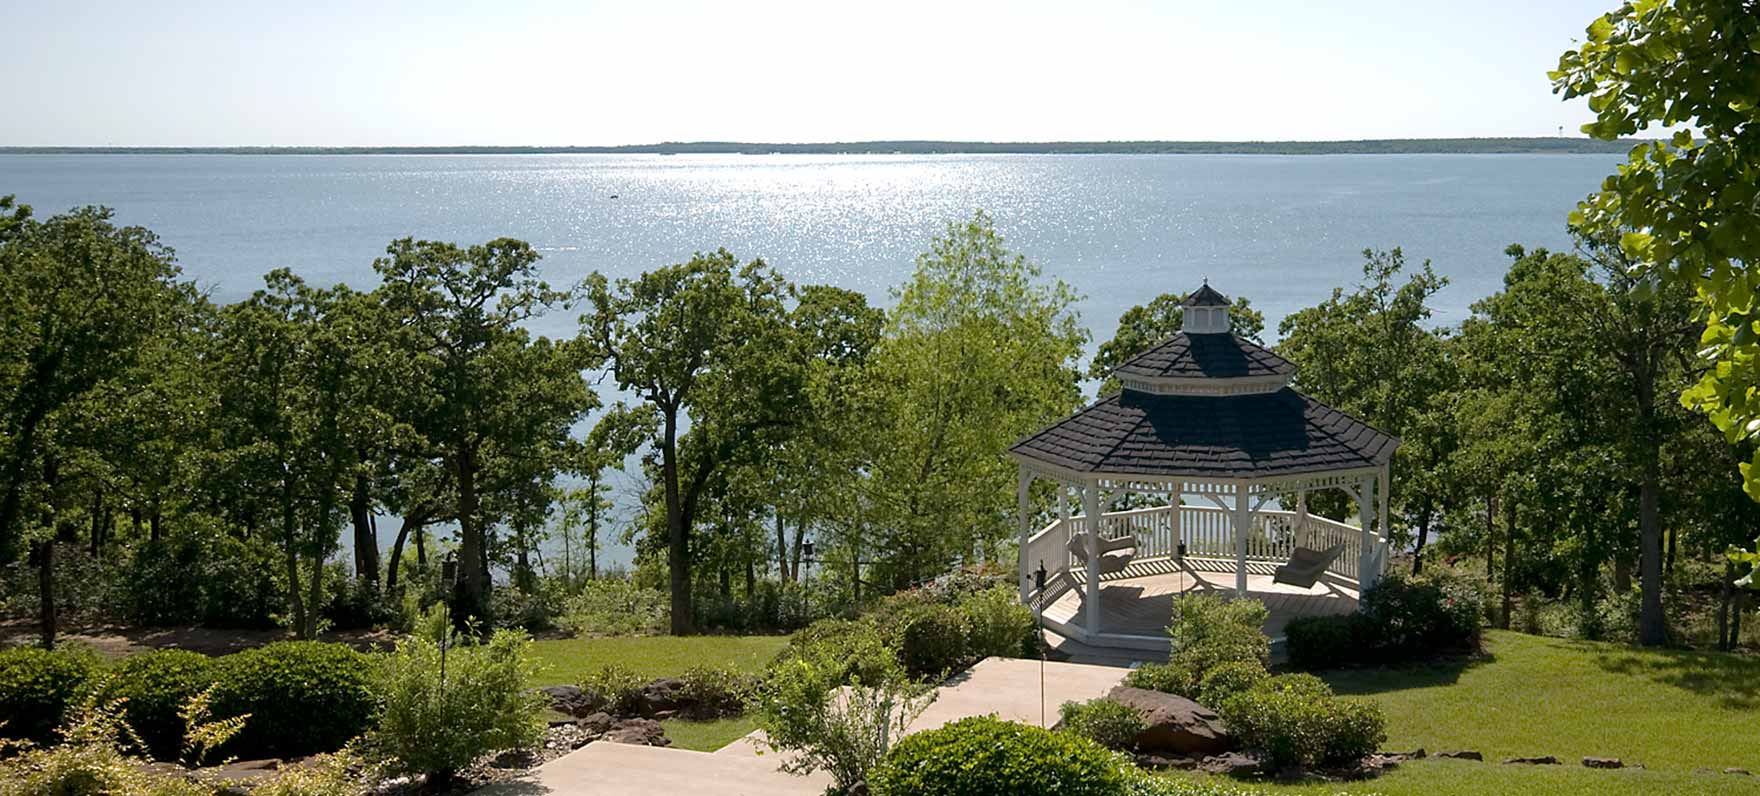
point(78, 296)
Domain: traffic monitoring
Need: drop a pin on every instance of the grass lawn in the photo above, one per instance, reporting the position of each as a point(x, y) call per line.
point(707, 736)
point(1464, 778)
point(567, 660)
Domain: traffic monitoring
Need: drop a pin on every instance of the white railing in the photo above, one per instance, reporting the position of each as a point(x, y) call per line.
point(1208, 533)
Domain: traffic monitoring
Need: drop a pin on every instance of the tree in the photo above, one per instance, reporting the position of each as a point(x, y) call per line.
point(698, 342)
point(1683, 208)
point(489, 389)
point(78, 296)
point(977, 353)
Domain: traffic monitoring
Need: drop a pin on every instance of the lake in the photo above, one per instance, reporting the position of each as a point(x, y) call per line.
point(1281, 230)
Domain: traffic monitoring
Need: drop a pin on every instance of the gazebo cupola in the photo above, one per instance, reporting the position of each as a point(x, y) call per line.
point(1205, 416)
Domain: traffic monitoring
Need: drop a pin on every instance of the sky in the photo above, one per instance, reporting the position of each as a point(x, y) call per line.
point(449, 72)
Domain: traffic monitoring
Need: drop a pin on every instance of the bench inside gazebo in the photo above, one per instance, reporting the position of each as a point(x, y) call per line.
point(1195, 477)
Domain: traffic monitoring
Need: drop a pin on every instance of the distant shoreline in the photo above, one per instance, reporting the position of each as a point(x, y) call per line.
point(1391, 146)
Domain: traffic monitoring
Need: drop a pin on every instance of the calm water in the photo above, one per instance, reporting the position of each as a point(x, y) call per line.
point(1281, 230)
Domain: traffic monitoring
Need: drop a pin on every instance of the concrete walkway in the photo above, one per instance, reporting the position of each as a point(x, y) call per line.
point(1007, 687)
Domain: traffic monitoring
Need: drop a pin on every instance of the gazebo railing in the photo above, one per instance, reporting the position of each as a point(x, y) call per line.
point(1208, 533)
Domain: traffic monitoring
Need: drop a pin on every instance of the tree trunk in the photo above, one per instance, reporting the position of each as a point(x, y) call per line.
point(1726, 595)
point(522, 565)
point(1509, 557)
point(1652, 625)
point(1424, 514)
point(413, 522)
point(421, 547)
point(1668, 558)
point(97, 531)
point(471, 594)
point(155, 523)
point(366, 542)
point(782, 569)
point(46, 592)
point(678, 553)
point(24, 451)
point(1490, 537)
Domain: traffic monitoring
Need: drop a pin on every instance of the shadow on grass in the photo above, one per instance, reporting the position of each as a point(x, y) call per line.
point(1733, 680)
point(1364, 681)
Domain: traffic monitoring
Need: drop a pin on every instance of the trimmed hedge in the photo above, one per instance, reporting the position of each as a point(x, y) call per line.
point(38, 686)
point(932, 640)
point(985, 756)
point(303, 697)
point(1295, 720)
point(1229, 679)
point(156, 685)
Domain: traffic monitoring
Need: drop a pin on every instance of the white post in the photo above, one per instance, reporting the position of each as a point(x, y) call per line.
point(1366, 517)
point(1386, 490)
point(1304, 536)
point(1064, 527)
point(1025, 480)
point(1243, 523)
point(1091, 512)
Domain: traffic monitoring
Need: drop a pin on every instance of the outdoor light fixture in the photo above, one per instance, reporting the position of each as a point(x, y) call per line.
point(449, 569)
point(807, 551)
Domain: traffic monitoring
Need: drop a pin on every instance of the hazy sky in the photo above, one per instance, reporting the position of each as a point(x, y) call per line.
point(453, 72)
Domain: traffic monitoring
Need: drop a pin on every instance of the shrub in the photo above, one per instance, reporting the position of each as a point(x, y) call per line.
point(714, 691)
point(1415, 615)
point(1296, 720)
point(324, 775)
point(303, 697)
point(998, 625)
point(436, 724)
point(616, 607)
point(821, 725)
point(1208, 630)
point(856, 648)
point(1325, 642)
point(614, 689)
point(1166, 678)
point(89, 761)
point(1226, 680)
point(39, 687)
point(156, 686)
point(932, 640)
point(1107, 722)
point(985, 756)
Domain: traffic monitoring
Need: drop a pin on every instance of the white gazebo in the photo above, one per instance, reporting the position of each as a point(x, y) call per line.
point(1198, 470)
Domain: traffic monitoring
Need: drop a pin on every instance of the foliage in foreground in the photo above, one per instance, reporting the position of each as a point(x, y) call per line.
point(985, 756)
point(445, 702)
point(155, 687)
point(38, 688)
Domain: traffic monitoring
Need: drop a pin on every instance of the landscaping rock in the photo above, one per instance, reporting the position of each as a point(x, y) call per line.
point(1734, 770)
point(1231, 764)
point(1155, 762)
point(1461, 755)
point(569, 700)
point(638, 732)
point(1174, 724)
point(666, 695)
point(1603, 762)
point(596, 724)
point(1400, 757)
point(1544, 760)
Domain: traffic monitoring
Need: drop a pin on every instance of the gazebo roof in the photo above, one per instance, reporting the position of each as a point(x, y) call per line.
point(1205, 296)
point(1238, 436)
point(1214, 356)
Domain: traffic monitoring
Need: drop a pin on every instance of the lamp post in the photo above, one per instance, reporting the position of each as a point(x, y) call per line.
point(806, 579)
point(1039, 590)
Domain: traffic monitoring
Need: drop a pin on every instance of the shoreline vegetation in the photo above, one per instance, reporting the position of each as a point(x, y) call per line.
point(1391, 146)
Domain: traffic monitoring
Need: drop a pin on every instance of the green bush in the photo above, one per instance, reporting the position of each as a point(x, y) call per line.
point(89, 761)
point(436, 725)
point(614, 689)
point(932, 640)
point(715, 691)
point(1107, 722)
point(856, 647)
point(998, 625)
point(985, 756)
point(155, 686)
point(1209, 630)
point(819, 723)
point(38, 688)
point(1439, 611)
point(1295, 720)
point(616, 607)
point(303, 697)
point(1166, 678)
point(1226, 680)
point(1326, 642)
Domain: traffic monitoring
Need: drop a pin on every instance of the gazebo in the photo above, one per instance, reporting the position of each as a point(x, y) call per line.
point(1187, 476)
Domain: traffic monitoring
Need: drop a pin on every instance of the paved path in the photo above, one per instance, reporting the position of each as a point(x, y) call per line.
point(1007, 687)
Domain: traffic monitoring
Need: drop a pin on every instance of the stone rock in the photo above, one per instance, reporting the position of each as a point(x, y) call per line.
point(569, 700)
point(666, 695)
point(596, 724)
point(1231, 764)
point(1157, 762)
point(638, 732)
point(1415, 754)
point(1735, 770)
point(1603, 762)
point(1543, 760)
point(1461, 755)
point(1174, 724)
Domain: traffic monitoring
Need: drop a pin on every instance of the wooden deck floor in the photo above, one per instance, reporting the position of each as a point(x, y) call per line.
point(1141, 605)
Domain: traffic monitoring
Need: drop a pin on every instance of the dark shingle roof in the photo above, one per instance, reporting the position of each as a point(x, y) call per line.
point(1216, 356)
point(1205, 296)
point(1240, 436)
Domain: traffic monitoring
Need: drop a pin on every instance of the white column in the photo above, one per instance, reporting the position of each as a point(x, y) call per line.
point(1243, 524)
point(1061, 563)
point(1385, 490)
point(1091, 521)
point(1366, 518)
point(1025, 480)
point(1303, 535)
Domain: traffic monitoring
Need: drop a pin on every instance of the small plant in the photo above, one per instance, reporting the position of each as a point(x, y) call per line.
point(90, 760)
point(1107, 722)
point(1208, 630)
point(201, 734)
point(447, 703)
point(985, 756)
point(714, 691)
point(1166, 678)
point(336, 774)
point(614, 689)
point(998, 624)
point(1228, 679)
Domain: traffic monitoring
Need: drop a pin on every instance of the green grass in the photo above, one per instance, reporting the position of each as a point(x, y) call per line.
point(1669, 710)
point(707, 736)
point(566, 661)
point(1465, 778)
